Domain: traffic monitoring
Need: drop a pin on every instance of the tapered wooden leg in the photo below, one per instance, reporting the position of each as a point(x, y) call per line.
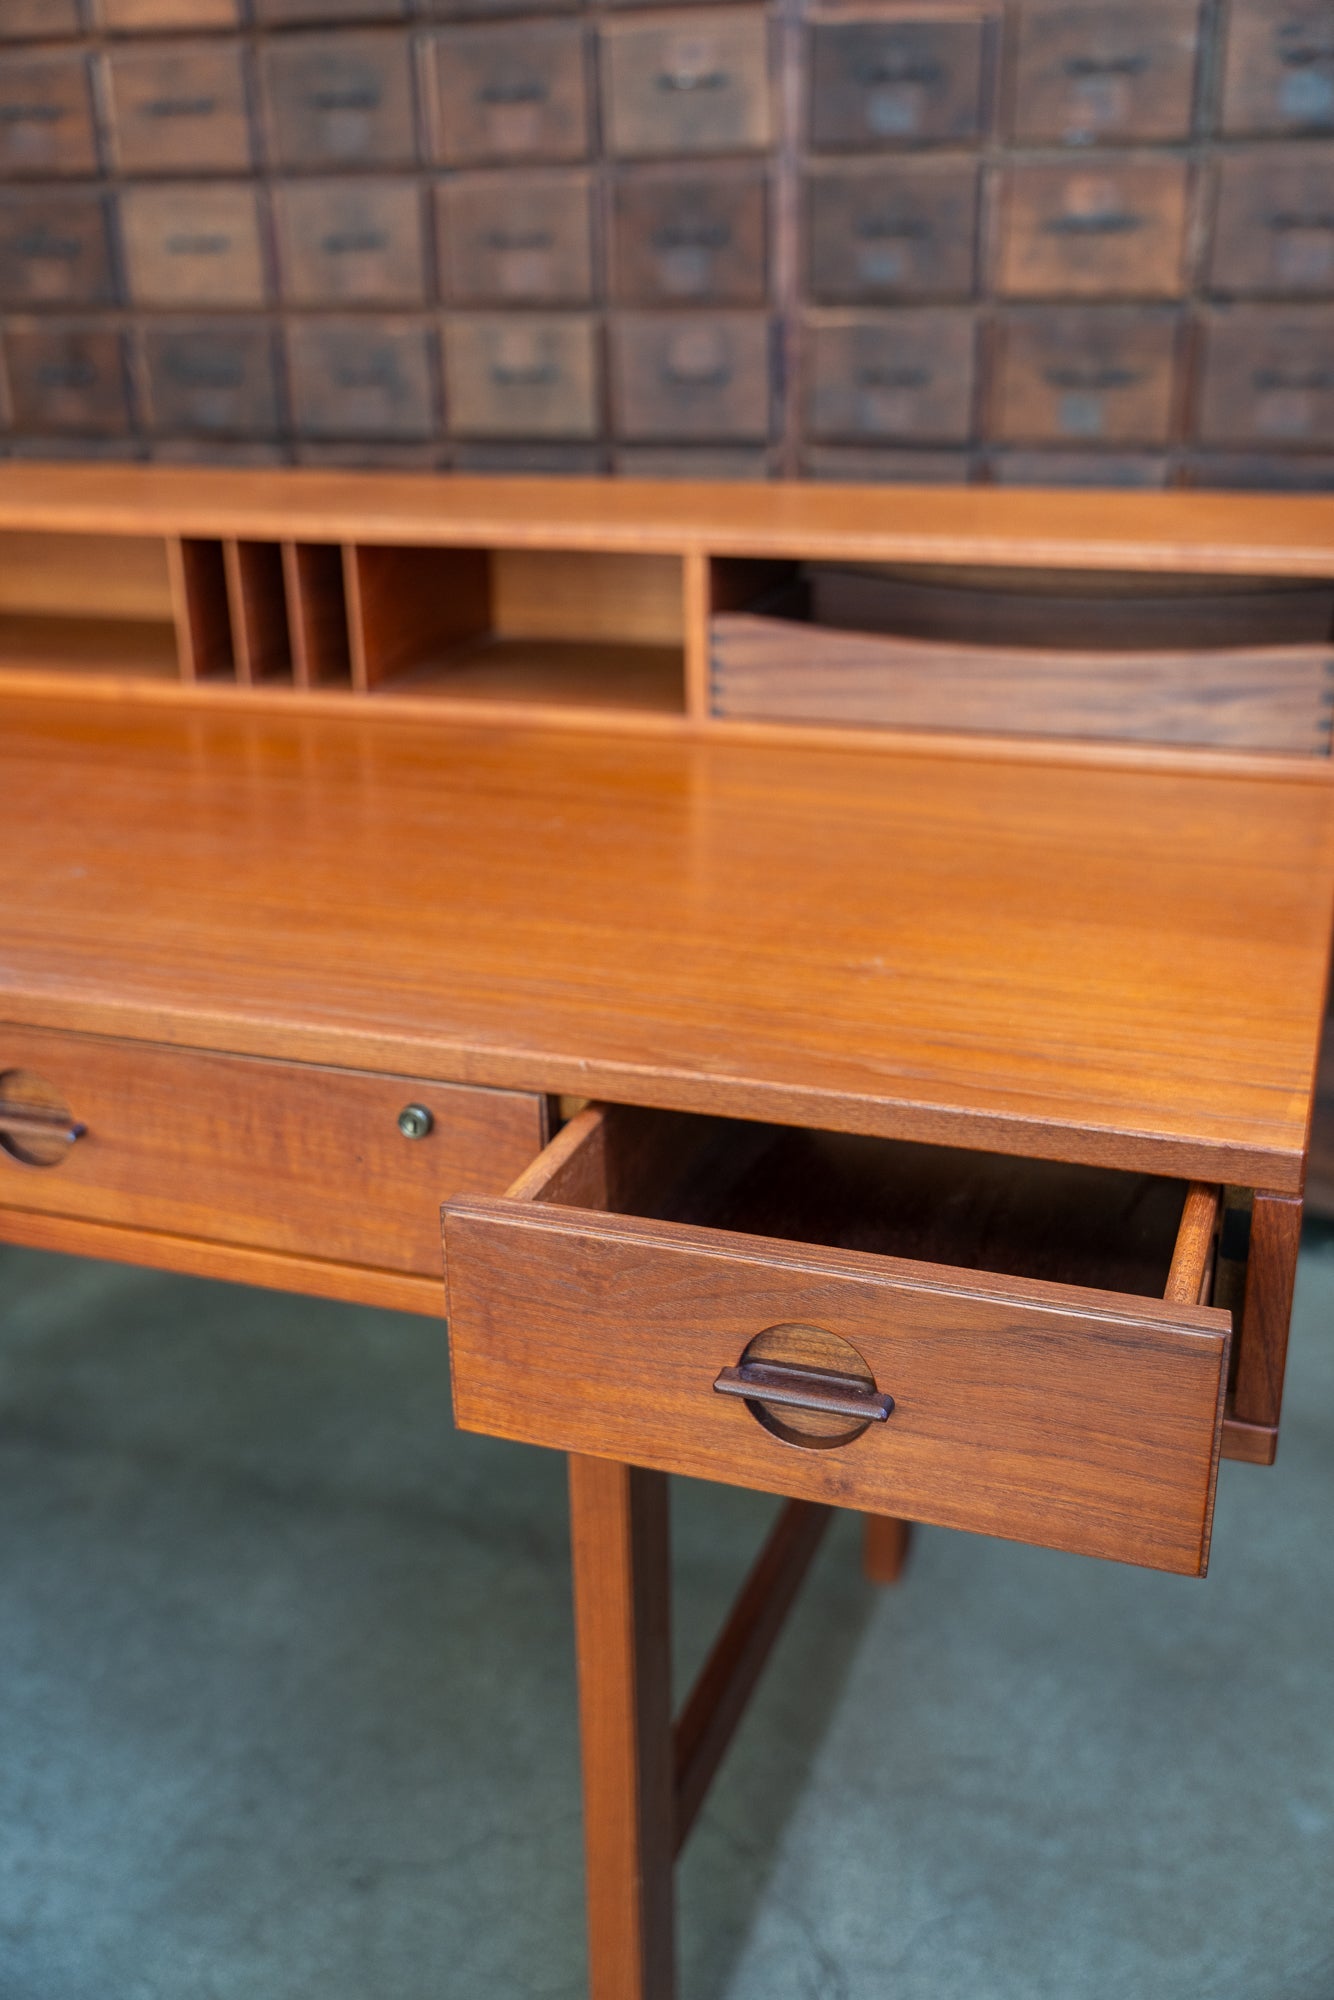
point(885, 1545)
point(622, 1600)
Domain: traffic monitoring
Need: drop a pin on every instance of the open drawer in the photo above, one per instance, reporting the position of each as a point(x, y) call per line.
point(1011, 1346)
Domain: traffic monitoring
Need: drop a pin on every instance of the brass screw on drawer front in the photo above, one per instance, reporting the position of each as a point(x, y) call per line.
point(415, 1121)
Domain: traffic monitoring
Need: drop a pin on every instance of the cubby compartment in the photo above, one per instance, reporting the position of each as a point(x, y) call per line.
point(536, 628)
point(1227, 663)
point(86, 604)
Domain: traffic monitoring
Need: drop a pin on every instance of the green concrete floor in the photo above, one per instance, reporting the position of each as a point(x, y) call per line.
point(286, 1701)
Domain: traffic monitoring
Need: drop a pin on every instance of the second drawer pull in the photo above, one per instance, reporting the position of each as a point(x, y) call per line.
point(793, 1387)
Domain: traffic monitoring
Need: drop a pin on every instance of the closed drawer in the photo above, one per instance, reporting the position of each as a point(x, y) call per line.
point(1090, 375)
point(890, 80)
point(1268, 378)
point(178, 108)
point(46, 115)
point(53, 249)
point(352, 242)
point(24, 20)
point(1278, 71)
point(191, 244)
point(355, 378)
point(320, 13)
point(280, 1156)
point(339, 101)
point(1114, 226)
point(1085, 71)
point(1274, 227)
point(905, 376)
point(511, 93)
point(680, 237)
point(522, 239)
point(690, 376)
point(947, 1337)
point(893, 230)
point(696, 82)
point(213, 378)
point(134, 17)
point(66, 378)
point(527, 375)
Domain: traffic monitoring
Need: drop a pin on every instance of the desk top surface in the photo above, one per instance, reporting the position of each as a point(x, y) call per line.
point(1118, 965)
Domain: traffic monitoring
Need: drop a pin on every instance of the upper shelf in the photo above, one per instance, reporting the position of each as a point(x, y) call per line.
point(1288, 534)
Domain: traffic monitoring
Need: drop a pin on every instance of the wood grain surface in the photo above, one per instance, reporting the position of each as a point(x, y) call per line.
point(1121, 967)
point(1229, 533)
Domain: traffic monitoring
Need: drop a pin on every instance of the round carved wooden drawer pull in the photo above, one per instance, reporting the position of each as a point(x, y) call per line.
point(35, 1125)
point(807, 1386)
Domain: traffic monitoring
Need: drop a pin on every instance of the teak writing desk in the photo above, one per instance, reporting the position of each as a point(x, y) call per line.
point(945, 1097)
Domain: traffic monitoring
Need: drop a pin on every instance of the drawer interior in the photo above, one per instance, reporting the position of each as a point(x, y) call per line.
point(1097, 1227)
point(1211, 662)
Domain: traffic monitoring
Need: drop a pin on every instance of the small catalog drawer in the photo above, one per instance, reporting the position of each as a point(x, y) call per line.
point(46, 115)
point(1008, 1346)
point(1111, 227)
point(516, 238)
point(1278, 72)
point(1268, 377)
point(888, 79)
point(361, 377)
point(1086, 71)
point(340, 101)
point(350, 242)
point(54, 249)
point(1239, 664)
point(1274, 230)
point(891, 230)
point(291, 1157)
point(530, 375)
point(66, 377)
point(191, 243)
point(212, 377)
point(180, 108)
point(906, 376)
point(516, 92)
point(694, 83)
point(690, 237)
point(1086, 374)
point(678, 376)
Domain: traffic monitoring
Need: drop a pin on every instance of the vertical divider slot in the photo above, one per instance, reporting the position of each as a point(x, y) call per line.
point(410, 609)
point(258, 598)
point(202, 610)
point(317, 614)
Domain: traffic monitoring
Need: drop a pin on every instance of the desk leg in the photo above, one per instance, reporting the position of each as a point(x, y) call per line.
point(886, 1542)
point(622, 1601)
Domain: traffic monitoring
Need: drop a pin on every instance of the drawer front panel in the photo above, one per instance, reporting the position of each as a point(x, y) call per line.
point(215, 377)
point(278, 1156)
point(891, 80)
point(517, 239)
point(512, 93)
point(191, 245)
point(1086, 376)
point(178, 109)
point(1085, 73)
point(680, 376)
point(696, 84)
point(1073, 1419)
point(908, 377)
point(67, 378)
point(1268, 378)
point(1274, 230)
point(350, 243)
point(521, 377)
point(891, 231)
point(1279, 67)
point(1102, 228)
point(339, 102)
point(46, 116)
point(29, 20)
point(681, 237)
point(54, 251)
point(361, 378)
